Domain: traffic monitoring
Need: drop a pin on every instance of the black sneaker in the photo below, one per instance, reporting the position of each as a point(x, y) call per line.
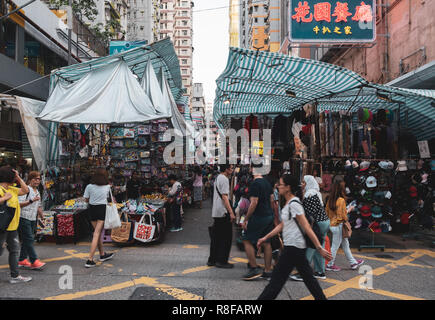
point(224, 265)
point(90, 264)
point(211, 264)
point(253, 273)
point(106, 256)
point(266, 275)
point(296, 277)
point(318, 275)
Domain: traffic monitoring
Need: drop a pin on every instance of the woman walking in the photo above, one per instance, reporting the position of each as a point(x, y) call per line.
point(313, 206)
point(197, 188)
point(96, 194)
point(10, 194)
point(293, 254)
point(337, 212)
point(30, 210)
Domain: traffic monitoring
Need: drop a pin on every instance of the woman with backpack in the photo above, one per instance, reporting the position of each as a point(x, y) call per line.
point(293, 221)
point(337, 212)
point(313, 206)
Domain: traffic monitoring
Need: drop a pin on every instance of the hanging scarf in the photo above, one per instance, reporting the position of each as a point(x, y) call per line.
point(312, 188)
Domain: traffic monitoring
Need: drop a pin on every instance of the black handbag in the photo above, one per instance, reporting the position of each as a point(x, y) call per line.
point(6, 215)
point(314, 226)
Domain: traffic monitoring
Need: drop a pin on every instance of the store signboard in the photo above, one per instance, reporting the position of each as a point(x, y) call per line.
point(350, 21)
point(121, 46)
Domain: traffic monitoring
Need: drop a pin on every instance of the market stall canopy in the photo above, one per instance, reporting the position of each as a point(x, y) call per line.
point(110, 94)
point(151, 87)
point(177, 119)
point(36, 130)
point(161, 54)
point(258, 82)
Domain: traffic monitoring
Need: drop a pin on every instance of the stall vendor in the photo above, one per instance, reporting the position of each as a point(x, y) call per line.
point(134, 186)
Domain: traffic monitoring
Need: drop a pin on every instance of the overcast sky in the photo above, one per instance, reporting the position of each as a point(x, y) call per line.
point(211, 43)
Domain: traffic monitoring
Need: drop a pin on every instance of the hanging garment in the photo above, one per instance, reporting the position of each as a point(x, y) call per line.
point(279, 132)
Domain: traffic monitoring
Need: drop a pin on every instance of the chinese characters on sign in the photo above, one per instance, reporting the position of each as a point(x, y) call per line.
point(332, 21)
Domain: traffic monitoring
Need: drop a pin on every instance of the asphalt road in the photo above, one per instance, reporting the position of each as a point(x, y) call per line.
point(176, 270)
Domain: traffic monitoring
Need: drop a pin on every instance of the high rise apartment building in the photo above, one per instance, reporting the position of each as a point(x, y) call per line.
point(262, 24)
point(175, 22)
point(143, 20)
point(234, 23)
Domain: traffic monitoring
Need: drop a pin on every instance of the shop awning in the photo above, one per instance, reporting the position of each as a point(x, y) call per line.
point(257, 82)
point(110, 94)
point(161, 54)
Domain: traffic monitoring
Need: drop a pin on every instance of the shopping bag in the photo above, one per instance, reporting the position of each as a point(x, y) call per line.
point(144, 230)
point(6, 213)
point(112, 219)
point(123, 234)
point(347, 229)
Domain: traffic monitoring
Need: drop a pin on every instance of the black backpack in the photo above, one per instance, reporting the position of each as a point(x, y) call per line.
point(314, 226)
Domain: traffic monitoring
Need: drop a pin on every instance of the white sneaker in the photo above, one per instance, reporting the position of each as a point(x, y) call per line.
point(20, 279)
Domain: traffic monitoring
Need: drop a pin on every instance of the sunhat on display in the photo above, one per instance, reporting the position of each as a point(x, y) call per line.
point(412, 165)
point(355, 164)
point(358, 223)
point(413, 192)
point(364, 166)
point(379, 197)
point(371, 182)
point(375, 227)
point(386, 165)
point(365, 211)
point(401, 166)
point(376, 212)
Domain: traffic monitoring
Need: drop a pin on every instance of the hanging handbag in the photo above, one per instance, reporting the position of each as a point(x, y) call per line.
point(6, 213)
point(123, 234)
point(144, 230)
point(112, 219)
point(347, 230)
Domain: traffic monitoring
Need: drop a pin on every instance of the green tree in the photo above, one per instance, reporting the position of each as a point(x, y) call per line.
point(81, 8)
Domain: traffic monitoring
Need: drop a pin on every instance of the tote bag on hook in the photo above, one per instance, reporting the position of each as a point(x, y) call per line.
point(143, 230)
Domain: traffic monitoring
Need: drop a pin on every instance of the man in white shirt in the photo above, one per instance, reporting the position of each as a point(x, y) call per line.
point(222, 230)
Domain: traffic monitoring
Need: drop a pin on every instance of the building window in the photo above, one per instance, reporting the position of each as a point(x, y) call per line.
point(256, 20)
point(184, 22)
point(184, 61)
point(184, 32)
point(184, 71)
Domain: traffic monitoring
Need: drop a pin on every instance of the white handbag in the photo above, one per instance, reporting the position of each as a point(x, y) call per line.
point(112, 219)
point(144, 230)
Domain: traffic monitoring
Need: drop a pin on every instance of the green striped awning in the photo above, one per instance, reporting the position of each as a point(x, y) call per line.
point(258, 82)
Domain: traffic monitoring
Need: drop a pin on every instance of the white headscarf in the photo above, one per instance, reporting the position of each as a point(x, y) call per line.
point(312, 188)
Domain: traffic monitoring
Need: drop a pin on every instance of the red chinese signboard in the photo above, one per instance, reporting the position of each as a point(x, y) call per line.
point(332, 21)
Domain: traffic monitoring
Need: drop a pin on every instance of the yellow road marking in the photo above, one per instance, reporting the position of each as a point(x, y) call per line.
point(178, 294)
point(353, 283)
point(190, 246)
point(391, 260)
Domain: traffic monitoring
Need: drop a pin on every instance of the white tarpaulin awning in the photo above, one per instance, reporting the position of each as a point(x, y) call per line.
point(36, 130)
point(151, 86)
point(107, 95)
point(177, 118)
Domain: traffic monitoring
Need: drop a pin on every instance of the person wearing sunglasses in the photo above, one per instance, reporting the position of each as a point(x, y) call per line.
point(31, 209)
